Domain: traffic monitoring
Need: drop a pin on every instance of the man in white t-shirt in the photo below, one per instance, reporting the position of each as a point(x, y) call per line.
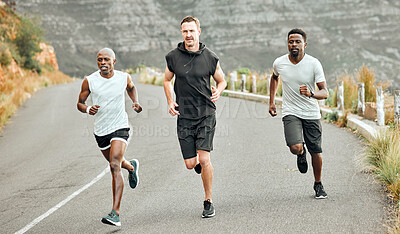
point(107, 87)
point(300, 74)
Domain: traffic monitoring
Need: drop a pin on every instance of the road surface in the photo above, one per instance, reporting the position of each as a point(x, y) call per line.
point(49, 160)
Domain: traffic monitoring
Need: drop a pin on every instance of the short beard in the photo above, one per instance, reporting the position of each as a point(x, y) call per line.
point(104, 72)
point(294, 54)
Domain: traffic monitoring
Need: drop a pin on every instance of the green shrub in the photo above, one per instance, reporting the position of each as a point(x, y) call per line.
point(244, 71)
point(332, 117)
point(27, 40)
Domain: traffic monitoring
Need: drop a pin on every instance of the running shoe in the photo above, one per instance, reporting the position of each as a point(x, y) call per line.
point(112, 219)
point(197, 168)
point(319, 191)
point(134, 175)
point(302, 161)
point(209, 210)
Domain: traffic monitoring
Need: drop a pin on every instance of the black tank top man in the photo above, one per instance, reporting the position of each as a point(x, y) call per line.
point(192, 80)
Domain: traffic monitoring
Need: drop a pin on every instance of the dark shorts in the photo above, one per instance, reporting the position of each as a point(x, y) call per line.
point(310, 129)
point(104, 142)
point(196, 134)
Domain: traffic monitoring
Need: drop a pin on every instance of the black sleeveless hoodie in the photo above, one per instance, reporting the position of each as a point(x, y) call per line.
point(192, 80)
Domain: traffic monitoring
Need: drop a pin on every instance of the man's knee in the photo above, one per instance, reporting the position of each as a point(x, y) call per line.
point(115, 166)
point(190, 163)
point(296, 149)
point(115, 162)
point(204, 158)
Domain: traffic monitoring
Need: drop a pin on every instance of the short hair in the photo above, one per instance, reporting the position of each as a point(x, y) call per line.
point(298, 31)
point(108, 50)
point(190, 18)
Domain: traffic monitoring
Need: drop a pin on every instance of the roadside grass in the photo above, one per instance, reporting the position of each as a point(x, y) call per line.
point(15, 89)
point(147, 78)
point(383, 159)
point(366, 76)
point(383, 155)
point(350, 92)
point(395, 229)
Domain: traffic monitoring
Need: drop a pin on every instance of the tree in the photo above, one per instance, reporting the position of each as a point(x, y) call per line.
point(27, 41)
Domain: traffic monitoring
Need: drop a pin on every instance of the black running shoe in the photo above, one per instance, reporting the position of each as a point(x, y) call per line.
point(209, 210)
point(319, 191)
point(302, 161)
point(197, 168)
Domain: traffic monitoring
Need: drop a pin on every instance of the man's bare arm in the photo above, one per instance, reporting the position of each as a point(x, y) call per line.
point(83, 95)
point(168, 92)
point(273, 87)
point(219, 78)
point(321, 93)
point(132, 93)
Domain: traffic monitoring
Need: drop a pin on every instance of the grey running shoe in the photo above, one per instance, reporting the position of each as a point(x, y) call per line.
point(134, 175)
point(302, 161)
point(319, 191)
point(209, 210)
point(197, 168)
point(112, 219)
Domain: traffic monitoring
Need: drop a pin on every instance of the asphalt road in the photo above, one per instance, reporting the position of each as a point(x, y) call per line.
point(48, 153)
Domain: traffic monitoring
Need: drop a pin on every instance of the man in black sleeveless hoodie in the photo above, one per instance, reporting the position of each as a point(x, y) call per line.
point(193, 64)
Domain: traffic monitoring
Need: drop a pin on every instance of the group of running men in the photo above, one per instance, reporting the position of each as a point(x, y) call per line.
point(192, 64)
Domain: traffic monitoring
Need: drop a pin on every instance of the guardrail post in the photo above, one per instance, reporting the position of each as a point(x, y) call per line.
point(397, 107)
point(361, 99)
point(243, 82)
point(380, 113)
point(340, 96)
point(233, 79)
point(254, 88)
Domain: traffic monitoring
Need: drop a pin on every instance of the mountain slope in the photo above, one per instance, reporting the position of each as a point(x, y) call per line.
point(343, 34)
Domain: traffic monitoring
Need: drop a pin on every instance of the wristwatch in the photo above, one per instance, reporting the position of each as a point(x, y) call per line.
point(312, 94)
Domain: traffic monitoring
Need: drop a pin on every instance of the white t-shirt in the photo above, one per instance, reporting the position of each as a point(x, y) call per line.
point(308, 72)
point(109, 94)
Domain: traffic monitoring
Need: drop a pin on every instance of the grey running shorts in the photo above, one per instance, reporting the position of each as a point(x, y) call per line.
point(104, 142)
point(296, 129)
point(196, 134)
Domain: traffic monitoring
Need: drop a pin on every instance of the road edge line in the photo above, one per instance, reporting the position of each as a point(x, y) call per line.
point(62, 203)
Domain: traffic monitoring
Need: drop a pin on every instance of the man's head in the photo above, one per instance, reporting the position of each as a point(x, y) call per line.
point(105, 62)
point(190, 28)
point(297, 42)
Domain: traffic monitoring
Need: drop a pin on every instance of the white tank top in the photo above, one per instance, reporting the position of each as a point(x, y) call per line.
point(109, 94)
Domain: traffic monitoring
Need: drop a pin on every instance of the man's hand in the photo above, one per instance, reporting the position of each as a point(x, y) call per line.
point(137, 107)
point(93, 109)
point(272, 110)
point(172, 109)
point(304, 91)
point(216, 94)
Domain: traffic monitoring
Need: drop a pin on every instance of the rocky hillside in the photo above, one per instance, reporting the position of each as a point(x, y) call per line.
point(26, 62)
point(343, 34)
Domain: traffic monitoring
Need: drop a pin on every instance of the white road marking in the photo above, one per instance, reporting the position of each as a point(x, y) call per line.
point(59, 205)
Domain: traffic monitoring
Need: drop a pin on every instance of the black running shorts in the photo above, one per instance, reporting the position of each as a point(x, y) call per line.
point(310, 129)
point(196, 134)
point(104, 142)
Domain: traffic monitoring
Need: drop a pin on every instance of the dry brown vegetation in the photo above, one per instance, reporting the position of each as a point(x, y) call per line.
point(15, 89)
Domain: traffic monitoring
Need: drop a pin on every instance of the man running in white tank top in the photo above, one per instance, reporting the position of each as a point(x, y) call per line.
point(300, 74)
point(111, 127)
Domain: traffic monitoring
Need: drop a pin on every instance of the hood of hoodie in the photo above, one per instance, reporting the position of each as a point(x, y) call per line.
point(181, 47)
